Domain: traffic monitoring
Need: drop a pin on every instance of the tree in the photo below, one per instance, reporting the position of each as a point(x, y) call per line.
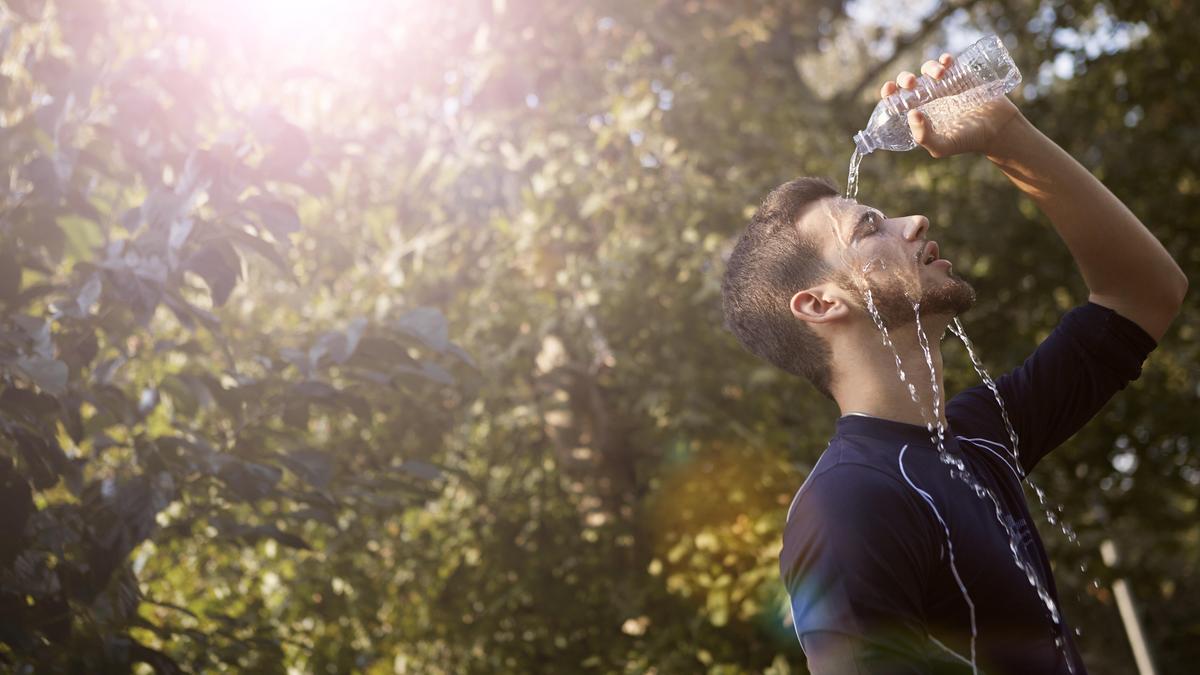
point(238, 436)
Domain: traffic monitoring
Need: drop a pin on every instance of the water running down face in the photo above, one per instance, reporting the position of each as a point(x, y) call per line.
point(892, 257)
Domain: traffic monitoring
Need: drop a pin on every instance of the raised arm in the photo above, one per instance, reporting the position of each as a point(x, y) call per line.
point(1124, 266)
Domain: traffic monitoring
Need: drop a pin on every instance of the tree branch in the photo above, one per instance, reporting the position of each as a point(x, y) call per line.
point(932, 22)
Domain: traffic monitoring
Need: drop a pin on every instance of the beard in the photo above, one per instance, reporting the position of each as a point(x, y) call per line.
point(894, 300)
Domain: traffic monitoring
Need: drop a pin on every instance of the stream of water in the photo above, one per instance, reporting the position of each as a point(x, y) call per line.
point(852, 178)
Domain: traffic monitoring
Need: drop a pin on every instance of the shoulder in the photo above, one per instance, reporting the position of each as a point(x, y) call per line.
point(974, 413)
point(847, 491)
point(852, 515)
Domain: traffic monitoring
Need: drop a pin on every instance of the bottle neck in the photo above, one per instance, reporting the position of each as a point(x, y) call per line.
point(864, 143)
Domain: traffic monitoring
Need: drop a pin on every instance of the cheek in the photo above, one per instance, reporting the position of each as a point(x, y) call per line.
point(876, 257)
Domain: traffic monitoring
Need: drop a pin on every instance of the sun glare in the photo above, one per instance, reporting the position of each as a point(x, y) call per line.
point(300, 20)
point(301, 29)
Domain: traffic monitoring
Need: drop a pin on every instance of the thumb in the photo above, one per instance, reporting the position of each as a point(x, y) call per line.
point(918, 124)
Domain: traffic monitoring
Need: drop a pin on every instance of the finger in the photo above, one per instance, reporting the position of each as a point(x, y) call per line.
point(933, 69)
point(906, 79)
point(918, 123)
point(946, 59)
point(888, 89)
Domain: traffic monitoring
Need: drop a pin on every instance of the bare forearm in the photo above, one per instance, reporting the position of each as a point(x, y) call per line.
point(1123, 264)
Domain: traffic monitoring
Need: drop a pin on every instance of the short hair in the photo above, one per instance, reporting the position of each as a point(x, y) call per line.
point(771, 262)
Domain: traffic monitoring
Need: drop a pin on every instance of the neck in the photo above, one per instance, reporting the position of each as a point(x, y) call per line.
point(866, 380)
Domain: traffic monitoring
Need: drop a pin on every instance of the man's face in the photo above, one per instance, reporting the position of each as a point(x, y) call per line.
point(892, 257)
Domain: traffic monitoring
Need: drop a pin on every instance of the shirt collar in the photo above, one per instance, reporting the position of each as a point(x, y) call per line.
point(878, 428)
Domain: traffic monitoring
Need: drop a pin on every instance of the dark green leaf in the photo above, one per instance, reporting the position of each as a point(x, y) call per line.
point(220, 267)
point(286, 147)
point(248, 480)
point(429, 371)
point(89, 294)
point(426, 324)
point(49, 374)
point(43, 457)
point(47, 184)
point(272, 532)
point(423, 470)
point(262, 248)
point(277, 216)
point(313, 466)
point(381, 352)
point(10, 277)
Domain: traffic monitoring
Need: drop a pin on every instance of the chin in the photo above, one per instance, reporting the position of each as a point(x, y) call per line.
point(953, 298)
point(949, 299)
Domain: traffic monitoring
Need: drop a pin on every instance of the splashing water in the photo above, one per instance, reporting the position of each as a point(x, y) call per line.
point(980, 491)
point(1051, 517)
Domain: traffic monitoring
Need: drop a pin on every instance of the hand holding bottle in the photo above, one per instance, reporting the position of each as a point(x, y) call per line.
point(972, 131)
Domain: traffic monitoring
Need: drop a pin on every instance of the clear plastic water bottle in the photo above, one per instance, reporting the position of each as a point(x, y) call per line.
point(984, 71)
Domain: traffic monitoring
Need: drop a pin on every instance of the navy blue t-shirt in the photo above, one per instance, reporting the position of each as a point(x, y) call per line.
point(864, 549)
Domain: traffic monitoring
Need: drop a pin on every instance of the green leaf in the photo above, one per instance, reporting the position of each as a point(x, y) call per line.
point(43, 457)
point(248, 480)
point(277, 216)
point(426, 324)
point(315, 389)
point(10, 277)
point(89, 294)
point(272, 532)
point(32, 407)
point(220, 267)
point(429, 371)
point(84, 231)
point(286, 144)
point(47, 185)
point(312, 466)
point(263, 248)
point(49, 374)
point(373, 351)
point(421, 469)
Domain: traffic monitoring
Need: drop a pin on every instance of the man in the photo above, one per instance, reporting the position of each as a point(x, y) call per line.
point(898, 559)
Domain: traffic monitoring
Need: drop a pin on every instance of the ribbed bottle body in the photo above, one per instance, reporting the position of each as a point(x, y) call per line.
point(984, 71)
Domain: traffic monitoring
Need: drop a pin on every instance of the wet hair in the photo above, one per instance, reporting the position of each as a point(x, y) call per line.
point(771, 262)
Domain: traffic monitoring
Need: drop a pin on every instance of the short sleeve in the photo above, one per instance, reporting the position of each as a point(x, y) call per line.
point(1093, 353)
point(859, 551)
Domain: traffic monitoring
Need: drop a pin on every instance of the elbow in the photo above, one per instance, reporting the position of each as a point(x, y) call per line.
point(1180, 290)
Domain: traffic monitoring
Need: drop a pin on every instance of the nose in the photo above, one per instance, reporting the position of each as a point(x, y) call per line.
point(915, 227)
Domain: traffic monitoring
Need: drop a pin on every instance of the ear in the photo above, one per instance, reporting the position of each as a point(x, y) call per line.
point(819, 304)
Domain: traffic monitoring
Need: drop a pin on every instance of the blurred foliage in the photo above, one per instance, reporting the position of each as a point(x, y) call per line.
point(235, 433)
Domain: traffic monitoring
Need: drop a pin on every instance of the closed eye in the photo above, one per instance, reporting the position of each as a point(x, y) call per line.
point(868, 224)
